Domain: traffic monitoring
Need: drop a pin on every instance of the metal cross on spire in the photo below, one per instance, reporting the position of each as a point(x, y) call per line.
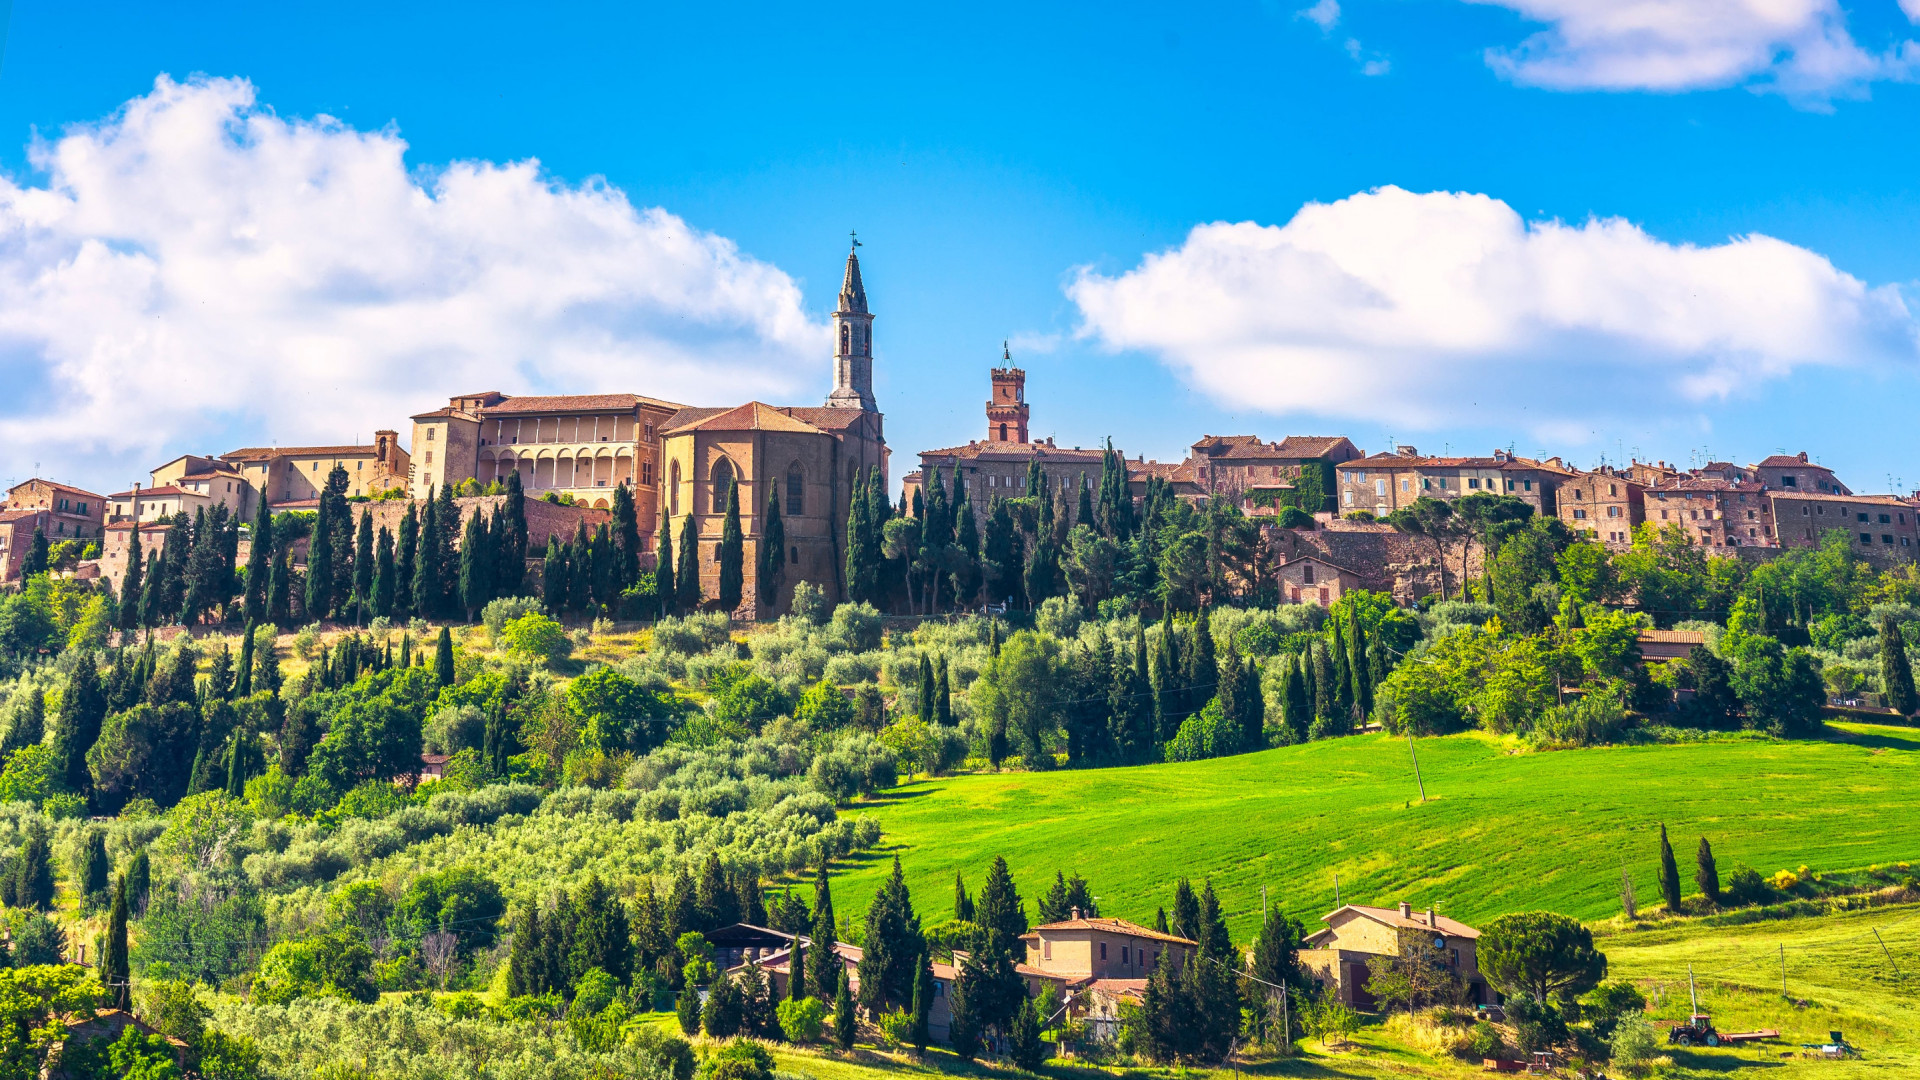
point(854, 236)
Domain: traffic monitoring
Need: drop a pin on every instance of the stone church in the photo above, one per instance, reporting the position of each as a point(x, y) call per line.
point(810, 455)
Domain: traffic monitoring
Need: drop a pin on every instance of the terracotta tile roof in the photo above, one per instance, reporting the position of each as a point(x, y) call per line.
point(1864, 500)
point(443, 411)
point(9, 516)
point(1417, 921)
point(162, 491)
point(1012, 451)
point(570, 403)
point(211, 475)
point(1710, 484)
point(824, 417)
point(1311, 445)
point(753, 416)
point(1235, 447)
point(1788, 461)
point(57, 486)
point(1674, 637)
point(1110, 926)
point(1424, 461)
point(266, 453)
point(689, 416)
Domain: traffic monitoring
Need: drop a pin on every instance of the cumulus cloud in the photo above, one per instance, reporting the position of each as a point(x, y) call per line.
point(197, 264)
point(1800, 48)
point(1430, 309)
point(1326, 14)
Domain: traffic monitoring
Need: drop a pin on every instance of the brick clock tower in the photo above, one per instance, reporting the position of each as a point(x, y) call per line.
point(1007, 409)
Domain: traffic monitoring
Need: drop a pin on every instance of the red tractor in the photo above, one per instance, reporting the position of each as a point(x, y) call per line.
point(1697, 1031)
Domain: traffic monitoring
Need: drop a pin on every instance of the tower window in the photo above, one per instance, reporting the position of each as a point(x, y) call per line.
point(796, 490)
point(845, 338)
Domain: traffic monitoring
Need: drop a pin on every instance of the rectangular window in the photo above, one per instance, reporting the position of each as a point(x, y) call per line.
point(430, 432)
point(1866, 538)
point(1861, 517)
point(1886, 519)
point(1349, 494)
point(1579, 515)
point(1426, 485)
point(1887, 539)
point(1527, 484)
point(1380, 488)
point(1103, 950)
point(1046, 949)
point(1473, 481)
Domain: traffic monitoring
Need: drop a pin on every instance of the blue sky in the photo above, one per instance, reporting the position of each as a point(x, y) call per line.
point(1011, 169)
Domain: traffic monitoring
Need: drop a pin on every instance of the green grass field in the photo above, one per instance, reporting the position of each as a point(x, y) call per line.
point(1501, 831)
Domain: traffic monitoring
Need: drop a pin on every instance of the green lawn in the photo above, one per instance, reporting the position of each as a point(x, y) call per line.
point(1501, 830)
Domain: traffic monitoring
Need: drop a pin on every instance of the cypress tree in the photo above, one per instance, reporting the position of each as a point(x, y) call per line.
point(243, 674)
point(319, 594)
point(1023, 1041)
point(580, 569)
point(1297, 699)
point(130, 586)
point(446, 561)
point(797, 971)
point(1669, 874)
point(239, 762)
point(1322, 672)
point(83, 709)
point(843, 1019)
point(553, 577)
point(686, 570)
point(33, 876)
point(443, 658)
point(773, 550)
point(922, 1005)
point(626, 539)
point(94, 868)
point(731, 555)
point(942, 696)
point(925, 710)
point(860, 570)
point(1706, 874)
point(36, 560)
point(962, 903)
point(663, 587)
point(363, 569)
point(253, 602)
point(606, 595)
point(1083, 509)
point(963, 1024)
point(426, 574)
point(510, 571)
point(1357, 665)
point(383, 575)
point(406, 544)
point(116, 972)
point(280, 587)
point(1340, 693)
point(824, 968)
point(1896, 674)
point(476, 567)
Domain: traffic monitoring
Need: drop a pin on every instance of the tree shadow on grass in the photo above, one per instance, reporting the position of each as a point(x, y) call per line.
point(894, 795)
point(1876, 742)
point(1708, 1061)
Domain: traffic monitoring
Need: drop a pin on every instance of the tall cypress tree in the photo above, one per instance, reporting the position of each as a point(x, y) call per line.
point(443, 658)
point(925, 710)
point(243, 673)
point(83, 709)
point(824, 968)
point(1896, 674)
point(626, 538)
point(253, 603)
point(1357, 664)
point(606, 593)
point(129, 613)
point(686, 570)
point(426, 575)
point(1669, 874)
point(116, 972)
point(1706, 873)
point(404, 546)
point(942, 696)
point(383, 575)
point(860, 547)
point(280, 586)
point(772, 550)
point(511, 572)
point(319, 596)
point(476, 566)
point(553, 577)
point(732, 553)
point(663, 587)
point(580, 569)
point(446, 561)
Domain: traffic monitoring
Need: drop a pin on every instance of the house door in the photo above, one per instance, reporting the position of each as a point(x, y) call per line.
point(1357, 976)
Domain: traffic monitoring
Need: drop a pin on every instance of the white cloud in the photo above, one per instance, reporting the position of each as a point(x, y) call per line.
point(1374, 64)
point(1912, 8)
point(1439, 308)
point(1326, 14)
point(196, 266)
point(1800, 48)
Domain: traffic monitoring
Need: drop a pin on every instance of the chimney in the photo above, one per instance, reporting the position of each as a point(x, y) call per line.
point(1430, 921)
point(1076, 913)
point(1406, 910)
point(1803, 455)
point(1406, 451)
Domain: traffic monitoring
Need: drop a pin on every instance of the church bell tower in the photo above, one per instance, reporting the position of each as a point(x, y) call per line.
point(853, 342)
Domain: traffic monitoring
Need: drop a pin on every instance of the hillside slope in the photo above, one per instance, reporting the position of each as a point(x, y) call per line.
point(1501, 831)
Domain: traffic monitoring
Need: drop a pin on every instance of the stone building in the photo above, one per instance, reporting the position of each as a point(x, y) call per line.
point(16, 538)
point(997, 466)
point(1795, 473)
point(73, 513)
point(1882, 529)
point(1337, 954)
point(1715, 512)
point(1240, 466)
point(1385, 482)
point(582, 445)
point(1606, 504)
point(295, 474)
point(812, 456)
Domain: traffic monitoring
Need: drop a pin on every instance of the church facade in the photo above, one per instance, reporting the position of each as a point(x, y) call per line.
point(807, 457)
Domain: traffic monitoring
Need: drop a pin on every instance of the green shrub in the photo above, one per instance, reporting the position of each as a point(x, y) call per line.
point(802, 1021)
point(1293, 517)
point(1744, 886)
point(1485, 1041)
point(538, 637)
point(498, 613)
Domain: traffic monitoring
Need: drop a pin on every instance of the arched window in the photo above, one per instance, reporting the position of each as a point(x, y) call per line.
point(866, 340)
point(796, 491)
point(722, 476)
point(845, 341)
point(1003, 433)
point(673, 491)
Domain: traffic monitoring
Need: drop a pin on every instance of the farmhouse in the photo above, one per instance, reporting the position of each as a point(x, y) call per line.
point(1337, 954)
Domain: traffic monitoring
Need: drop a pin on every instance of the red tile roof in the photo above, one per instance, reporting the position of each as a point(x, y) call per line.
point(162, 491)
point(265, 453)
point(571, 403)
point(1110, 926)
point(58, 486)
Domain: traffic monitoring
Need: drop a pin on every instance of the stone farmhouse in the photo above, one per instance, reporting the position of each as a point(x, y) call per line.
point(1337, 954)
point(1606, 504)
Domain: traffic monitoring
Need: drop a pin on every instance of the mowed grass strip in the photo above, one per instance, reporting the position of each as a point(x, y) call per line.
point(1503, 830)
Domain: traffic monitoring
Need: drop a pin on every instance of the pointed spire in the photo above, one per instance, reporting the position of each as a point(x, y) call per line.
point(853, 294)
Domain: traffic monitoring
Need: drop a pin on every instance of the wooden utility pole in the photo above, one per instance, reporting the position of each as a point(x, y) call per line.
point(1416, 764)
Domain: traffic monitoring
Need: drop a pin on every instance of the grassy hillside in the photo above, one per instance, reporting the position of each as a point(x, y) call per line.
point(1501, 831)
